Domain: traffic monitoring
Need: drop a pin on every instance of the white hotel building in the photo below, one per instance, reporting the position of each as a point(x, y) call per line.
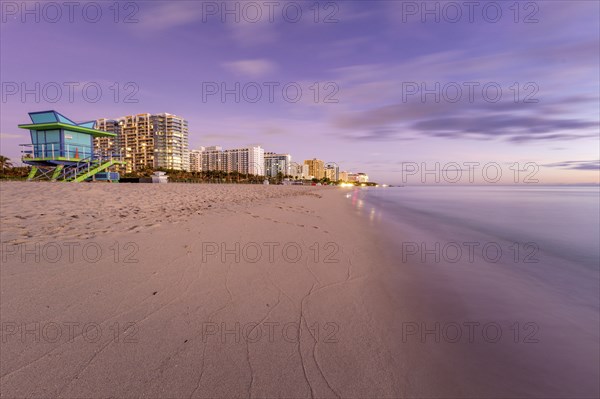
point(242, 160)
point(277, 163)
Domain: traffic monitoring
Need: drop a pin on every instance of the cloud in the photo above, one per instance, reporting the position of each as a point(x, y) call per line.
point(379, 134)
point(515, 128)
point(508, 120)
point(251, 68)
point(248, 34)
point(274, 131)
point(577, 165)
point(165, 16)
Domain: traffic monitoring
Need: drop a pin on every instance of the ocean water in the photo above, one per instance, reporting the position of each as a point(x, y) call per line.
point(524, 259)
point(563, 221)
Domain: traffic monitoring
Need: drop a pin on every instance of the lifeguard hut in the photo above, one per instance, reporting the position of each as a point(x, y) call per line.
point(63, 150)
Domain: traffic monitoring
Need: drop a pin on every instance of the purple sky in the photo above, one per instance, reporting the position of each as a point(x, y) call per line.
point(375, 54)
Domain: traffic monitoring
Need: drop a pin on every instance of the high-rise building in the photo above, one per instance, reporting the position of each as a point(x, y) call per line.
point(171, 149)
point(358, 177)
point(304, 172)
point(256, 160)
point(136, 139)
point(332, 172)
point(213, 158)
point(196, 160)
point(277, 163)
point(106, 146)
point(316, 168)
point(248, 160)
point(148, 141)
point(298, 171)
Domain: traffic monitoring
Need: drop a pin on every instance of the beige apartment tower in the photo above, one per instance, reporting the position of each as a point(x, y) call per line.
point(316, 168)
point(148, 141)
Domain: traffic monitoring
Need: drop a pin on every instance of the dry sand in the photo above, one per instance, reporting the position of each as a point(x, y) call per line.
point(140, 291)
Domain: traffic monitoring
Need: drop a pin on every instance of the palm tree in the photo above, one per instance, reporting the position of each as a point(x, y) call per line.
point(5, 162)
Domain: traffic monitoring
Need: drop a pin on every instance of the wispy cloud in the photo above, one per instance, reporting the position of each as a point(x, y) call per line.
point(164, 16)
point(251, 68)
point(577, 165)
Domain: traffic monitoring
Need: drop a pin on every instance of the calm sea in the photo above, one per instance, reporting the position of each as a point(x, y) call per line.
point(524, 260)
point(560, 221)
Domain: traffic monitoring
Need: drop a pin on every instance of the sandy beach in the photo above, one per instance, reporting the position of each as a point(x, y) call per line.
point(189, 291)
point(221, 291)
point(374, 199)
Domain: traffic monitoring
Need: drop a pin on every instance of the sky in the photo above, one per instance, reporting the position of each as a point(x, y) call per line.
point(407, 92)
